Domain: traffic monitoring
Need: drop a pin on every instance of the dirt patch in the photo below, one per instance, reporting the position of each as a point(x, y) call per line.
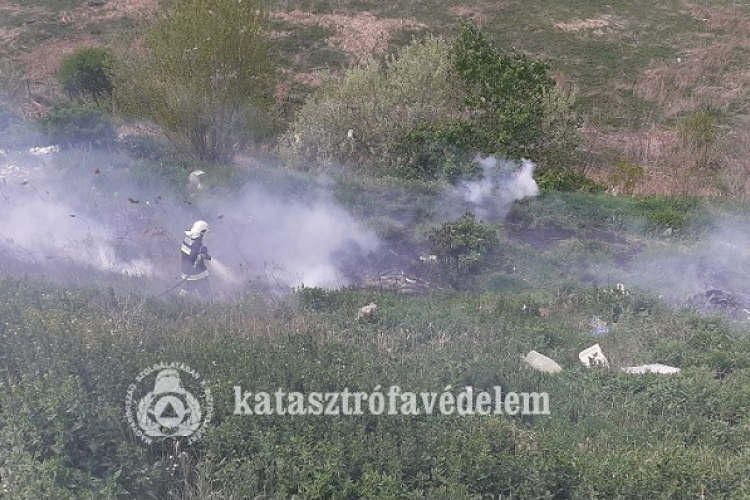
point(362, 35)
point(43, 62)
point(692, 79)
point(465, 12)
point(541, 238)
point(595, 25)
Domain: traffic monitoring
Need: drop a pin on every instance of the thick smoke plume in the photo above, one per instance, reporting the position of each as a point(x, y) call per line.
point(83, 215)
point(502, 182)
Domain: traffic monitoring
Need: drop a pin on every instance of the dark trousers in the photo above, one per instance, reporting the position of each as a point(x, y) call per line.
point(200, 288)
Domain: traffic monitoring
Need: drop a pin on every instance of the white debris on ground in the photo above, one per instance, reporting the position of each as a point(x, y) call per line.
point(195, 179)
point(44, 150)
point(542, 363)
point(12, 171)
point(367, 310)
point(396, 280)
point(652, 368)
point(593, 356)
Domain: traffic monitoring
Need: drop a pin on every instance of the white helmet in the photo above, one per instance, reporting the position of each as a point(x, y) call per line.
point(200, 227)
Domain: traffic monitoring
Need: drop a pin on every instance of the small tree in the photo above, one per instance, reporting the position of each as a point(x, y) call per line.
point(434, 102)
point(463, 248)
point(382, 105)
point(85, 74)
point(207, 76)
point(513, 106)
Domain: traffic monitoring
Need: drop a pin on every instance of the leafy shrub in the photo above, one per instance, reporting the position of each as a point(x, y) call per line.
point(382, 106)
point(698, 137)
point(514, 106)
point(57, 442)
point(431, 101)
point(434, 160)
point(553, 179)
point(209, 88)
point(626, 176)
point(78, 125)
point(463, 248)
point(85, 74)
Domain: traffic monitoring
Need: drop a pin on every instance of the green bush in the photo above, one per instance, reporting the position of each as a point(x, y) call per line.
point(553, 179)
point(85, 74)
point(381, 106)
point(626, 176)
point(463, 249)
point(515, 109)
point(434, 100)
point(78, 125)
point(60, 442)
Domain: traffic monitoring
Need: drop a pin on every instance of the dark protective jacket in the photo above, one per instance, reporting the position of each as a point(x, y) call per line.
point(194, 257)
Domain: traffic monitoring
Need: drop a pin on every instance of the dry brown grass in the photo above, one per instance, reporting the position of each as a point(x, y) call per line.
point(38, 66)
point(708, 75)
point(675, 167)
point(479, 16)
point(693, 78)
point(596, 25)
point(671, 164)
point(362, 35)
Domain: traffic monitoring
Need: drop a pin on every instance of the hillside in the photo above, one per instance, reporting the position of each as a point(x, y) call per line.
point(416, 308)
point(640, 70)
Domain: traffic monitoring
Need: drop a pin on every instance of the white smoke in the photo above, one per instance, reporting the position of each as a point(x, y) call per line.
point(297, 241)
point(71, 211)
point(502, 183)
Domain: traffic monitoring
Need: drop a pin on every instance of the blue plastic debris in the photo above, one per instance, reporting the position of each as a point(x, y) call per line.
point(598, 327)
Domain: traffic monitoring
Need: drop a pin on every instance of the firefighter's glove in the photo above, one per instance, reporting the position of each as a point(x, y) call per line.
point(204, 253)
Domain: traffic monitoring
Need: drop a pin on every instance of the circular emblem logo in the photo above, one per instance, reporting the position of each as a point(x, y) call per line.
point(169, 400)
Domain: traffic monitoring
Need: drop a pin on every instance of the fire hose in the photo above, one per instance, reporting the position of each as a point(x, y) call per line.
point(201, 256)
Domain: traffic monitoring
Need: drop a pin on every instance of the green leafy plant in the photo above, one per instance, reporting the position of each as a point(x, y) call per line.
point(463, 248)
point(511, 101)
point(382, 106)
point(208, 76)
point(74, 124)
point(85, 74)
point(553, 179)
point(626, 176)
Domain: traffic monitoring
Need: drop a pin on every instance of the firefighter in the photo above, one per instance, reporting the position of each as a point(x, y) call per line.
point(194, 256)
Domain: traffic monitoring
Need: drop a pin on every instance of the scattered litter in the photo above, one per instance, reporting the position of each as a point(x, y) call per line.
point(367, 310)
point(652, 368)
point(396, 280)
point(593, 356)
point(195, 179)
point(598, 327)
point(542, 363)
point(43, 151)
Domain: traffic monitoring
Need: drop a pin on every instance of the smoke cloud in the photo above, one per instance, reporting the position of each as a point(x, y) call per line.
point(80, 215)
point(502, 182)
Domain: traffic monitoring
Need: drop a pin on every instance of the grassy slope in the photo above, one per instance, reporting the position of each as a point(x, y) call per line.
point(609, 436)
point(604, 426)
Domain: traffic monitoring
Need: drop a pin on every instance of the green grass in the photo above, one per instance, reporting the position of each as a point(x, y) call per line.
point(73, 351)
point(82, 346)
